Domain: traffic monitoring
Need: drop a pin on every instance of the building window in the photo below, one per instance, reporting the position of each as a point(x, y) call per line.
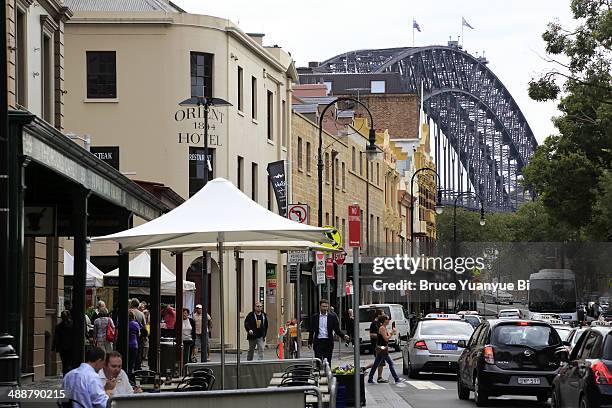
point(308, 156)
point(378, 174)
point(254, 183)
point(337, 172)
point(377, 229)
point(327, 167)
point(343, 175)
point(284, 125)
point(240, 89)
point(201, 74)
point(377, 86)
point(101, 74)
point(299, 153)
point(326, 218)
point(240, 175)
point(197, 166)
point(353, 159)
point(21, 58)
point(242, 283)
point(344, 230)
point(360, 164)
point(254, 97)
point(337, 222)
point(270, 114)
point(47, 78)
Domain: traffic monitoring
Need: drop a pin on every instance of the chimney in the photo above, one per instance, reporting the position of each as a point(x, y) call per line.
point(313, 64)
point(257, 37)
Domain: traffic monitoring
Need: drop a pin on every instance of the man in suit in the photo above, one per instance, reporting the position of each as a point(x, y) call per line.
point(323, 326)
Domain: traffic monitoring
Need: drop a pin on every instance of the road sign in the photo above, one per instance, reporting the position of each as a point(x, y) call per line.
point(329, 268)
point(298, 213)
point(320, 278)
point(297, 257)
point(320, 261)
point(293, 272)
point(354, 218)
point(334, 236)
point(340, 257)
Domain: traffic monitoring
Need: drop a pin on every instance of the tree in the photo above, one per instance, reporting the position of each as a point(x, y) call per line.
point(567, 169)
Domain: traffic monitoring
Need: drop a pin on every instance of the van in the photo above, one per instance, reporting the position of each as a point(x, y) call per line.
point(398, 319)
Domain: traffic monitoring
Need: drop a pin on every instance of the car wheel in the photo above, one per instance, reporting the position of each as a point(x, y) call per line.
point(554, 402)
point(480, 397)
point(412, 373)
point(404, 365)
point(462, 391)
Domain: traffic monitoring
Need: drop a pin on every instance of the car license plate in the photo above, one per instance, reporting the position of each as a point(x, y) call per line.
point(529, 381)
point(449, 346)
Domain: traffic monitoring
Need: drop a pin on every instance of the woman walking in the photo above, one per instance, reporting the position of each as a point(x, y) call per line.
point(101, 330)
point(133, 334)
point(382, 348)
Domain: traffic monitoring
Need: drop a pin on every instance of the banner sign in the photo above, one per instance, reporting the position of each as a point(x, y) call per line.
point(354, 215)
point(276, 173)
point(109, 154)
point(297, 257)
point(293, 272)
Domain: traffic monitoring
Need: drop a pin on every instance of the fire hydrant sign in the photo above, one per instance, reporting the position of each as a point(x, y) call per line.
point(320, 267)
point(354, 213)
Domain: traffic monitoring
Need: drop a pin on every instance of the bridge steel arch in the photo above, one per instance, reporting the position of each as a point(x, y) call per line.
point(482, 140)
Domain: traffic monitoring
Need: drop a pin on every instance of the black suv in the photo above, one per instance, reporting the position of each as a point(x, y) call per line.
point(510, 357)
point(586, 380)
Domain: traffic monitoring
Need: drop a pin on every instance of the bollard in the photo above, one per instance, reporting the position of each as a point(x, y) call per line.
point(281, 340)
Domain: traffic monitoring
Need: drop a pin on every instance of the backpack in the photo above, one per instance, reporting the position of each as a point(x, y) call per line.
point(110, 331)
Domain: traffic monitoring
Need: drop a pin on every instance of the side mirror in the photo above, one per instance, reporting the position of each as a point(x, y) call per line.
point(462, 344)
point(563, 355)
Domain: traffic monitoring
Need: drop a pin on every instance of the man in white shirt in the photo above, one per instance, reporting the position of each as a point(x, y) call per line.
point(83, 384)
point(323, 326)
point(112, 371)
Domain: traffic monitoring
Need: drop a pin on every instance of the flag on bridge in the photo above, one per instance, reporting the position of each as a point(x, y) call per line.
point(416, 25)
point(464, 23)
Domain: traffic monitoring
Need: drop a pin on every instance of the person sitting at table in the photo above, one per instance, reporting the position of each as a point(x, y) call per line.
point(112, 371)
point(83, 383)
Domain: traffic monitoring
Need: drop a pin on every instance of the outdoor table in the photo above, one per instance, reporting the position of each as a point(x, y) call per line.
point(278, 380)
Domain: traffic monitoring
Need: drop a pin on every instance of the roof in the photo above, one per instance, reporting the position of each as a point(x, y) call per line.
point(121, 5)
point(305, 108)
point(321, 100)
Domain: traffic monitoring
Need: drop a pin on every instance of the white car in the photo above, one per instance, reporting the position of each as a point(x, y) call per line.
point(398, 319)
point(509, 314)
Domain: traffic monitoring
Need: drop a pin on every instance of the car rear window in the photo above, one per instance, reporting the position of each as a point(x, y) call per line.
point(367, 315)
point(446, 328)
point(607, 349)
point(525, 335)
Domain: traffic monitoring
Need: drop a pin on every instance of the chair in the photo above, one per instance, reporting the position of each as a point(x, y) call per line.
point(202, 372)
point(204, 381)
point(144, 376)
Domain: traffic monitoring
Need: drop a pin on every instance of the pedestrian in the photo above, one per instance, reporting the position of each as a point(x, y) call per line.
point(102, 332)
point(374, 327)
point(83, 383)
point(96, 313)
point(145, 342)
point(169, 315)
point(63, 342)
point(133, 335)
point(382, 346)
point(112, 371)
point(140, 318)
point(323, 326)
point(197, 318)
point(188, 328)
point(256, 326)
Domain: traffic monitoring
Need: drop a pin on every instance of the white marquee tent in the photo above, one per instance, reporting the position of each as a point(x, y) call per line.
point(94, 277)
point(140, 267)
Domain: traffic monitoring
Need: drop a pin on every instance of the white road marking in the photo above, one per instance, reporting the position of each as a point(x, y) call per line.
point(425, 385)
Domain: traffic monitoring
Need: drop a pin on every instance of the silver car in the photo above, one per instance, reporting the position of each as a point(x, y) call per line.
point(435, 346)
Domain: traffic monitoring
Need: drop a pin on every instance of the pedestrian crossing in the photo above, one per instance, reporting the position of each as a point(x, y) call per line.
point(425, 385)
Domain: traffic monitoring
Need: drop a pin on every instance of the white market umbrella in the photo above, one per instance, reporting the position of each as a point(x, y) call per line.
point(95, 277)
point(249, 246)
point(218, 213)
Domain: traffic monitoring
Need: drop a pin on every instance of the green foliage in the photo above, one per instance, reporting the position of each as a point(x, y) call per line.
point(567, 171)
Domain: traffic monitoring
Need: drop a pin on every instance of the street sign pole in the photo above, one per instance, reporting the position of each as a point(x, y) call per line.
point(355, 242)
point(298, 308)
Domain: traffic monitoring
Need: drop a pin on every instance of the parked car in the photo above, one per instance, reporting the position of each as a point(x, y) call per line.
point(435, 346)
point(510, 357)
point(575, 336)
point(564, 331)
point(398, 319)
point(585, 381)
point(498, 297)
point(509, 314)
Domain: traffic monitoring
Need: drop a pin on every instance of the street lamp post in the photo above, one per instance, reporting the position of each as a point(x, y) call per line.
point(455, 248)
point(439, 208)
point(206, 103)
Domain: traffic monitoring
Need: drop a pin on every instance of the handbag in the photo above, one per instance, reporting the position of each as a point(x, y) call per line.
point(111, 334)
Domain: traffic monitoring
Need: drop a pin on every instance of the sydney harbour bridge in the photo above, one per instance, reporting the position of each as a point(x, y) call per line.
point(481, 139)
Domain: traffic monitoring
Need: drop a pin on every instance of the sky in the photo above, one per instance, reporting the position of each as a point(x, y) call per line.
point(508, 32)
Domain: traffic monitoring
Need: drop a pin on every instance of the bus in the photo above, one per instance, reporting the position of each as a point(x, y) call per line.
point(553, 291)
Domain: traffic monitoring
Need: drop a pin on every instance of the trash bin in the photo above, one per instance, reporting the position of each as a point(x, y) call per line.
point(167, 356)
point(348, 382)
